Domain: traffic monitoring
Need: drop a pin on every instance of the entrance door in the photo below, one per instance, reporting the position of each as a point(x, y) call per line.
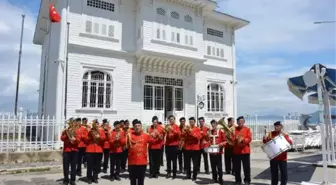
point(169, 101)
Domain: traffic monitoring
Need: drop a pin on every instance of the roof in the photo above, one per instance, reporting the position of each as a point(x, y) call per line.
point(235, 22)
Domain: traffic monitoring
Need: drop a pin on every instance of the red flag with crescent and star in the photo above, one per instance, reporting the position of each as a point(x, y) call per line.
point(53, 14)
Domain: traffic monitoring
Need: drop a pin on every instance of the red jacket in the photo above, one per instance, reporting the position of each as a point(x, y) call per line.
point(192, 139)
point(107, 143)
point(282, 156)
point(137, 152)
point(246, 138)
point(156, 137)
point(220, 140)
point(172, 138)
point(116, 146)
point(205, 138)
point(68, 146)
point(83, 131)
point(93, 147)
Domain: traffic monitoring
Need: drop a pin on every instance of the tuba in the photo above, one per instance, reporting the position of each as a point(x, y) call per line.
point(229, 132)
point(168, 128)
point(94, 131)
point(71, 129)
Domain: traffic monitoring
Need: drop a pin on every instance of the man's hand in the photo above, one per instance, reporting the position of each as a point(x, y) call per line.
point(97, 136)
point(73, 139)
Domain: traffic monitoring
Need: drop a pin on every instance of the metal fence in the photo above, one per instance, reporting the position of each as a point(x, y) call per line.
point(22, 133)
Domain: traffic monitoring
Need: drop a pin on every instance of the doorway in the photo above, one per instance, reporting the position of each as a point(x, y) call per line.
point(169, 101)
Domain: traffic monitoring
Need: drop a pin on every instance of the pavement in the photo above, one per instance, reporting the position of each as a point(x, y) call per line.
point(300, 169)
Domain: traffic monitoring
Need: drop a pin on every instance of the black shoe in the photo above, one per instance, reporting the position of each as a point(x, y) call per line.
point(168, 175)
point(111, 178)
point(79, 174)
point(155, 176)
point(117, 178)
point(220, 181)
point(72, 183)
point(193, 179)
point(65, 183)
point(215, 180)
point(187, 177)
point(247, 183)
point(89, 181)
point(238, 183)
point(174, 176)
point(95, 181)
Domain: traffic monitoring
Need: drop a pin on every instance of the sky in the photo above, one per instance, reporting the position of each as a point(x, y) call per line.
point(280, 42)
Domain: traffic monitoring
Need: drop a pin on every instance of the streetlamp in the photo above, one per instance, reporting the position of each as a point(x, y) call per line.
point(199, 105)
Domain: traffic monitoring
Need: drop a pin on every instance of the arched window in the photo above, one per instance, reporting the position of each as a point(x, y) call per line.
point(175, 15)
point(161, 11)
point(187, 18)
point(216, 98)
point(97, 90)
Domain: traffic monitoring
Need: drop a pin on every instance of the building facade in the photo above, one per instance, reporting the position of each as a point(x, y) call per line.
point(119, 59)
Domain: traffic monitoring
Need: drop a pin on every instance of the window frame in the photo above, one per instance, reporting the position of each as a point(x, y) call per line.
point(216, 97)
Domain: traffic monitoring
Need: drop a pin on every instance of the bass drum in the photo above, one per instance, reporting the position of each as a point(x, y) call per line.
point(213, 149)
point(276, 146)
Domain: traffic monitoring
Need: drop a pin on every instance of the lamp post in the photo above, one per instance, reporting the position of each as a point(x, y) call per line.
point(199, 105)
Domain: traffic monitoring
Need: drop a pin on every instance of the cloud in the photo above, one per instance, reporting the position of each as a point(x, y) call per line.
point(10, 31)
point(275, 46)
point(283, 26)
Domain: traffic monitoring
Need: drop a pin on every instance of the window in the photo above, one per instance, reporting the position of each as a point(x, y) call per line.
point(214, 32)
point(158, 33)
point(88, 26)
point(97, 90)
point(213, 51)
point(178, 99)
point(103, 30)
point(161, 11)
point(187, 18)
point(148, 97)
point(215, 98)
point(111, 31)
point(158, 97)
point(96, 28)
point(177, 37)
point(209, 50)
point(175, 15)
point(222, 53)
point(217, 52)
point(101, 5)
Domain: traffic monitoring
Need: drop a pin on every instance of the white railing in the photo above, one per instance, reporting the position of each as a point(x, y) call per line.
point(22, 133)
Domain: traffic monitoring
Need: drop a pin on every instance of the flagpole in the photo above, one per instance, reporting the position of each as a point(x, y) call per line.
point(66, 73)
point(19, 68)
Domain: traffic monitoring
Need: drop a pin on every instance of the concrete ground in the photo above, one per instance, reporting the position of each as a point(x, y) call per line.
point(300, 169)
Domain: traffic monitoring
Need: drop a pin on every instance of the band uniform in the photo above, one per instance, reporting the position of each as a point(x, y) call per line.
point(204, 144)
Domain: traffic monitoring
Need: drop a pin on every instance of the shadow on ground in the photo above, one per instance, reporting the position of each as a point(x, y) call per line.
point(34, 181)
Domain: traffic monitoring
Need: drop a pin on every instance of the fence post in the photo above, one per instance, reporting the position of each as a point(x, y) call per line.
point(20, 127)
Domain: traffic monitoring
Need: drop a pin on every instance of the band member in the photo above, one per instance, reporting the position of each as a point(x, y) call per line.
point(125, 150)
point(136, 142)
point(124, 158)
point(228, 155)
point(82, 147)
point(95, 140)
point(156, 134)
point(192, 136)
point(162, 146)
point(279, 162)
point(106, 148)
point(71, 137)
point(204, 144)
point(181, 148)
point(216, 158)
point(117, 140)
point(241, 151)
point(172, 141)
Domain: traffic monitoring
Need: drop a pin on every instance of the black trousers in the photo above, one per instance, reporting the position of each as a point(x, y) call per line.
point(81, 159)
point(216, 166)
point(124, 159)
point(245, 160)
point(93, 165)
point(171, 157)
point(154, 165)
point(205, 159)
point(161, 155)
point(228, 157)
point(137, 174)
point(191, 155)
point(115, 164)
point(180, 156)
point(106, 158)
point(275, 166)
point(69, 160)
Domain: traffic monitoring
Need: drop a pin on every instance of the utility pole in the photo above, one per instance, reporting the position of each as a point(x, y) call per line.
point(19, 68)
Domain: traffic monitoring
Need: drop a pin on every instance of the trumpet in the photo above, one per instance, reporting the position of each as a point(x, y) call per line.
point(129, 141)
point(168, 128)
point(71, 130)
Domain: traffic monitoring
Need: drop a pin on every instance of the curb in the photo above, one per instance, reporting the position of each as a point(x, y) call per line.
point(29, 170)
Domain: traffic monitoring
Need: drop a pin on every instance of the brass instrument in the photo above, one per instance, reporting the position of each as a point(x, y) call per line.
point(168, 128)
point(229, 132)
point(129, 141)
point(71, 130)
point(94, 131)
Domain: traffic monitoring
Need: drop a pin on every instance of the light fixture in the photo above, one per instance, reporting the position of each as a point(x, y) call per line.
point(201, 105)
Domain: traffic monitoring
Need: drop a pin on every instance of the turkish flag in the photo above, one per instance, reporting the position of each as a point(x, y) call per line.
point(53, 14)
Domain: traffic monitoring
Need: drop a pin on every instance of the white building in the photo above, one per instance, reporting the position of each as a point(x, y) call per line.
point(137, 58)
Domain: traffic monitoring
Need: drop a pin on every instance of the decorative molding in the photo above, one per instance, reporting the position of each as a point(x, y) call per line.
point(96, 110)
point(98, 37)
point(212, 80)
point(174, 44)
point(97, 66)
point(215, 58)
